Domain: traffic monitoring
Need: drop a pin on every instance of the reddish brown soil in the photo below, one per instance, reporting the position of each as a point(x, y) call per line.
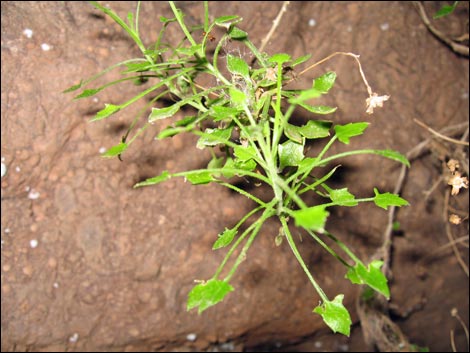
point(113, 265)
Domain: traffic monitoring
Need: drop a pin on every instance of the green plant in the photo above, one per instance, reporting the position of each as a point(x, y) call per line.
point(247, 113)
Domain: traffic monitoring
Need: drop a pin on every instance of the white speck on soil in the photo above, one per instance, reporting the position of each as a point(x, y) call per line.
point(312, 22)
point(343, 347)
point(465, 95)
point(6, 230)
point(28, 33)
point(318, 344)
point(18, 169)
point(45, 47)
point(102, 150)
point(4, 170)
point(95, 99)
point(349, 29)
point(385, 26)
point(3, 159)
point(191, 337)
point(74, 338)
point(33, 194)
point(33, 243)
point(55, 285)
point(27, 188)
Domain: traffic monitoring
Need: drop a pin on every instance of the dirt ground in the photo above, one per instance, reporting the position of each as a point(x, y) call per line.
point(90, 264)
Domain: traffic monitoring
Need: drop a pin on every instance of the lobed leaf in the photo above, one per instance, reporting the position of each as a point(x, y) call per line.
point(244, 153)
point(225, 238)
point(199, 178)
point(388, 199)
point(343, 197)
point(324, 82)
point(313, 218)
point(205, 295)
point(372, 276)
point(335, 315)
point(345, 132)
point(213, 137)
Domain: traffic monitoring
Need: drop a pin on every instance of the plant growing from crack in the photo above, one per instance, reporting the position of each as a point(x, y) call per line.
point(246, 114)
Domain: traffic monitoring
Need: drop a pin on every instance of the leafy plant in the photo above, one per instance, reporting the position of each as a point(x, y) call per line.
point(247, 113)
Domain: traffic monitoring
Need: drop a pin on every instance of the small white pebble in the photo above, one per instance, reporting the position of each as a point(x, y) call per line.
point(312, 22)
point(349, 29)
point(28, 33)
point(27, 188)
point(45, 47)
point(318, 344)
point(191, 337)
point(33, 243)
point(18, 169)
point(3, 159)
point(4, 170)
point(343, 347)
point(102, 150)
point(465, 95)
point(385, 26)
point(6, 230)
point(33, 194)
point(74, 338)
point(95, 99)
point(55, 285)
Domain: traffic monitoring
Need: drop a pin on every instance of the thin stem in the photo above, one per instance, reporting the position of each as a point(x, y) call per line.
point(292, 245)
point(237, 242)
point(343, 247)
point(181, 23)
point(327, 248)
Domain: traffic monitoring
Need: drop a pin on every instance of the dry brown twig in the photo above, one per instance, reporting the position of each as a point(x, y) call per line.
point(453, 44)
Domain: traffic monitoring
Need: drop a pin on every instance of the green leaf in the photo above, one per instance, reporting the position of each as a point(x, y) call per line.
point(238, 66)
point(88, 93)
point(343, 197)
point(279, 58)
point(189, 51)
point(205, 295)
point(324, 82)
point(74, 87)
point(200, 178)
point(388, 199)
point(344, 132)
point(155, 180)
point(238, 98)
point(224, 19)
point(225, 238)
point(315, 129)
point(248, 165)
point(318, 109)
point(290, 154)
point(445, 10)
point(237, 34)
point(305, 95)
point(301, 60)
point(313, 218)
point(213, 137)
point(163, 113)
point(221, 112)
point(108, 110)
point(396, 156)
point(372, 276)
point(293, 133)
point(335, 315)
point(244, 153)
point(115, 150)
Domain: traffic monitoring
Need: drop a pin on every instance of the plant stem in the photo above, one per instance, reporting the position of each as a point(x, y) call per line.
point(292, 245)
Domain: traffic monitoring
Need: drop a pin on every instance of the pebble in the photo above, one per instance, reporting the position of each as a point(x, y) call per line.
point(191, 337)
point(385, 26)
point(33, 194)
point(312, 22)
point(4, 170)
point(33, 243)
point(28, 33)
point(74, 338)
point(45, 47)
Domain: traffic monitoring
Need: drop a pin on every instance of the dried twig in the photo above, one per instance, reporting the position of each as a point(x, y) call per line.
point(456, 47)
point(274, 26)
point(455, 314)
point(444, 137)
